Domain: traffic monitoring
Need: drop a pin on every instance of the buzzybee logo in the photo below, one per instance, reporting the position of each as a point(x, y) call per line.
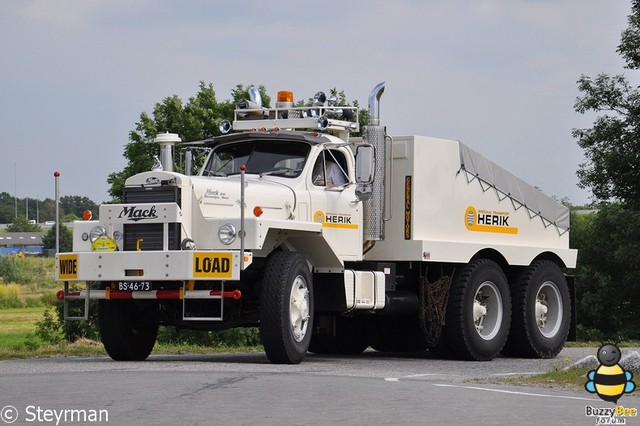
point(609, 381)
point(135, 214)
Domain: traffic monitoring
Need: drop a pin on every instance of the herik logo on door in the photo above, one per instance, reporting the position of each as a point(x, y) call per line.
point(212, 265)
point(488, 221)
point(335, 220)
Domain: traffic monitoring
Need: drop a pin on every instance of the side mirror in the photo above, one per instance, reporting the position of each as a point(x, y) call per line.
point(365, 164)
point(365, 170)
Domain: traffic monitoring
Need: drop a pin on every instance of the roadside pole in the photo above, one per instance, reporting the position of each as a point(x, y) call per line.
point(56, 175)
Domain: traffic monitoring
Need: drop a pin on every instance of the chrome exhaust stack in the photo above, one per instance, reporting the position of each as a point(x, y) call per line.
point(376, 135)
point(166, 142)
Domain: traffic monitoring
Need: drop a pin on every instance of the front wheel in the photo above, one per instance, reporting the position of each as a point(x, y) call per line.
point(478, 312)
point(126, 332)
point(286, 308)
point(541, 312)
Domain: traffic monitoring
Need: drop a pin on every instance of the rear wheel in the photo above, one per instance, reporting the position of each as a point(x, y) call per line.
point(286, 308)
point(478, 312)
point(126, 332)
point(541, 312)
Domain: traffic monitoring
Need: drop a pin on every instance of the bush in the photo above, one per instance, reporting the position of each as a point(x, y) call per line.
point(15, 270)
point(240, 337)
point(74, 330)
point(179, 336)
point(26, 270)
point(49, 330)
point(10, 296)
point(608, 271)
point(235, 337)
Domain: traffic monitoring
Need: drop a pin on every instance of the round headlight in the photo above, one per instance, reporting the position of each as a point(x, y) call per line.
point(227, 233)
point(97, 232)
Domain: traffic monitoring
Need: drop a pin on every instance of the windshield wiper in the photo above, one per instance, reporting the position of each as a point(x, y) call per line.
point(217, 174)
point(280, 171)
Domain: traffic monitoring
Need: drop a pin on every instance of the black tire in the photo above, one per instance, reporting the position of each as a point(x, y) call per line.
point(479, 288)
point(287, 284)
point(126, 332)
point(350, 338)
point(541, 283)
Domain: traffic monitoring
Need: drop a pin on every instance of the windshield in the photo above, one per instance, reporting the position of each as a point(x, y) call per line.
point(264, 157)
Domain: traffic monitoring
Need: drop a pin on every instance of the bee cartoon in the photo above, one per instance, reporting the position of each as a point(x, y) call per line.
point(609, 381)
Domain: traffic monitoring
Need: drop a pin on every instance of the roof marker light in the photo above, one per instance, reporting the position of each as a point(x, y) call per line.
point(285, 96)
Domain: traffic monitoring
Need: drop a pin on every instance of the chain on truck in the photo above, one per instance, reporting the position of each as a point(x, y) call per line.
point(327, 243)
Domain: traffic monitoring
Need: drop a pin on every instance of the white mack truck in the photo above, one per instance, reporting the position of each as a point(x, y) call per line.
point(328, 244)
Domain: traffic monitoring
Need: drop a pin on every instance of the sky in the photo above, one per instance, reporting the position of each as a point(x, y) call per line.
point(498, 75)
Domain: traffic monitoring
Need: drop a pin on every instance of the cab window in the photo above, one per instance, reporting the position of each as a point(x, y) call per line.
point(260, 157)
point(330, 169)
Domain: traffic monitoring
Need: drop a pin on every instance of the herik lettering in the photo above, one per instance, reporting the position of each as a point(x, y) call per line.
point(334, 218)
point(492, 219)
point(135, 214)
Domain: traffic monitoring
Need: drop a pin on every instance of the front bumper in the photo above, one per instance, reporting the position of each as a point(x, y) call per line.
point(150, 265)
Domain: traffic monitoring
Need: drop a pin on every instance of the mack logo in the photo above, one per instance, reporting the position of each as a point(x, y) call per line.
point(135, 214)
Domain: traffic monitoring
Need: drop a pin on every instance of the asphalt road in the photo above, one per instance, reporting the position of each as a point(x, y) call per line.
point(230, 389)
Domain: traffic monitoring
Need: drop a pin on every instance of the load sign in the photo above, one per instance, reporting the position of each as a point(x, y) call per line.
point(212, 265)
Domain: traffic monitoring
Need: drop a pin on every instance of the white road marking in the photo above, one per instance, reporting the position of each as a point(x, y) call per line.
point(526, 373)
point(542, 395)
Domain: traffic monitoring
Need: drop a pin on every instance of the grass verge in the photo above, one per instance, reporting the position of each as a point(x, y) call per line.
point(85, 347)
point(18, 339)
point(18, 326)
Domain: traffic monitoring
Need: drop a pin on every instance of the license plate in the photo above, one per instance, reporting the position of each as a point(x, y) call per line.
point(134, 286)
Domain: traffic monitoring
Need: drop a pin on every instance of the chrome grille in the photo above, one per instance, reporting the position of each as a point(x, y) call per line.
point(151, 234)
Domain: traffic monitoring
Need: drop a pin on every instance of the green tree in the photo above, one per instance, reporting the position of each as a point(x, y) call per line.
point(21, 224)
point(608, 241)
point(66, 239)
point(47, 210)
point(612, 145)
point(198, 119)
point(7, 208)
point(76, 205)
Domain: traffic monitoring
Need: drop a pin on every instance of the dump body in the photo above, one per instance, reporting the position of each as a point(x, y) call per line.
point(449, 203)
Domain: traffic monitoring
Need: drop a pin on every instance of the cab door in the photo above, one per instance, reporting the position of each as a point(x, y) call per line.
point(336, 206)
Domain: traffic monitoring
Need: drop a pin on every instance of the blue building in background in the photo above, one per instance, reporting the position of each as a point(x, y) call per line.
point(13, 243)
